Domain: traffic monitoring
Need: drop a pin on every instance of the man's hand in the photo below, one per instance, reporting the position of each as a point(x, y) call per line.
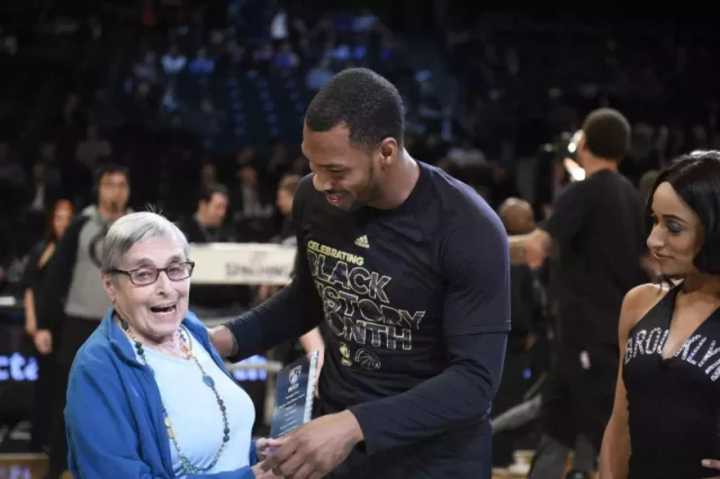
point(223, 340)
point(316, 448)
point(43, 341)
point(537, 248)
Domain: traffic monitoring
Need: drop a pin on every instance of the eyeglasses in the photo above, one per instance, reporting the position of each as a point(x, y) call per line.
point(149, 274)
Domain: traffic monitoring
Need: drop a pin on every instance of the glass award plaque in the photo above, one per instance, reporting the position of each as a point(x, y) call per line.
point(294, 395)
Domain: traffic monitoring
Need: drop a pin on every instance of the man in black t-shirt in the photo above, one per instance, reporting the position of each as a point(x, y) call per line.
point(597, 230)
point(406, 271)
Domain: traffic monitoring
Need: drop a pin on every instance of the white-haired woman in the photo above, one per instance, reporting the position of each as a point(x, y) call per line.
point(149, 396)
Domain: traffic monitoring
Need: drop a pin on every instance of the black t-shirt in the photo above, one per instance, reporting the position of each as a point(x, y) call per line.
point(597, 225)
point(408, 295)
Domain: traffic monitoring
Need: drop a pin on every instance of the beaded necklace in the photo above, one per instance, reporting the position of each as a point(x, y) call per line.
point(185, 464)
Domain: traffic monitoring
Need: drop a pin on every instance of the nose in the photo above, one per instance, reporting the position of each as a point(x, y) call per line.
point(162, 285)
point(321, 184)
point(655, 239)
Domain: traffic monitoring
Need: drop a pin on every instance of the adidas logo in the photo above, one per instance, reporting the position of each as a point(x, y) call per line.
point(362, 242)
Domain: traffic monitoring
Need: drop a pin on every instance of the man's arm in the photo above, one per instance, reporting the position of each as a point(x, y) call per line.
point(531, 248)
point(569, 215)
point(462, 393)
point(293, 311)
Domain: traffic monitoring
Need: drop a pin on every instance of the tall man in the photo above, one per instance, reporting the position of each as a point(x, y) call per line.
point(406, 271)
point(597, 230)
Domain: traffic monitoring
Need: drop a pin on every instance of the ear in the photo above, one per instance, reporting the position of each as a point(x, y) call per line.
point(388, 151)
point(109, 287)
point(581, 142)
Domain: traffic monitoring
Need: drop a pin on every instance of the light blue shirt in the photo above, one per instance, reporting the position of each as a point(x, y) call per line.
point(195, 414)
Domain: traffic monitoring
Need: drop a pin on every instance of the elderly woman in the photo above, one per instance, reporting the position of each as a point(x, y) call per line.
point(149, 396)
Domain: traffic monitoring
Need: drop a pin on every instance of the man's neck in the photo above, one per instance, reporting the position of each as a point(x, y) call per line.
point(599, 164)
point(399, 182)
point(109, 215)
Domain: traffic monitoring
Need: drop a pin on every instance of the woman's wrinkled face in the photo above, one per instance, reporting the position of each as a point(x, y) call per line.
point(154, 311)
point(677, 233)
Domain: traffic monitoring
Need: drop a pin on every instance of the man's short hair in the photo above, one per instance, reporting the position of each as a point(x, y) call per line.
point(107, 169)
point(607, 133)
point(368, 104)
point(207, 192)
point(110, 168)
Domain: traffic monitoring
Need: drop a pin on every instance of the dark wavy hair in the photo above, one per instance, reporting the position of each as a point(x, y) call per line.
point(695, 177)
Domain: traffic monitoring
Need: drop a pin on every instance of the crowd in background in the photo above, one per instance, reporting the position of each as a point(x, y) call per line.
point(189, 97)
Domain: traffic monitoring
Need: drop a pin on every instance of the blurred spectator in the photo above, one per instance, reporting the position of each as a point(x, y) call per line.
point(284, 202)
point(466, 155)
point(263, 56)
point(527, 303)
point(251, 210)
point(208, 175)
point(286, 58)
point(38, 259)
point(92, 149)
point(318, 76)
point(279, 26)
point(173, 62)
point(146, 70)
point(206, 121)
point(201, 65)
point(206, 225)
point(45, 189)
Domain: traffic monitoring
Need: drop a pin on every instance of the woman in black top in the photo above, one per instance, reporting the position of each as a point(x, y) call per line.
point(40, 256)
point(666, 416)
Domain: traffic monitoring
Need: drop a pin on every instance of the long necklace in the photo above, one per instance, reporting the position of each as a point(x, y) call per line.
point(185, 464)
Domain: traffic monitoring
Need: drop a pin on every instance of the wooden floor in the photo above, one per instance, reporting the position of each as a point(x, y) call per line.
point(23, 466)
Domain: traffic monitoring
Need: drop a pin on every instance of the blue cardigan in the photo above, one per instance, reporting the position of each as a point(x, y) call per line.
point(114, 421)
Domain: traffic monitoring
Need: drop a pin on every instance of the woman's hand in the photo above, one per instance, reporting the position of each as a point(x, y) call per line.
point(43, 341)
point(262, 448)
point(260, 474)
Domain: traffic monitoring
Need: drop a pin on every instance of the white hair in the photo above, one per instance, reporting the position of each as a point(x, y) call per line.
point(133, 228)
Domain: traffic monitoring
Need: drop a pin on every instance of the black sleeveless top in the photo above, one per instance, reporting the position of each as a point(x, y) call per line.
point(673, 404)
